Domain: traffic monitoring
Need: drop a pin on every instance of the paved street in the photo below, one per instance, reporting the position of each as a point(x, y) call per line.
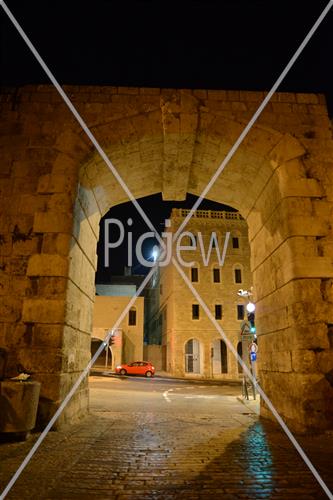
point(163, 439)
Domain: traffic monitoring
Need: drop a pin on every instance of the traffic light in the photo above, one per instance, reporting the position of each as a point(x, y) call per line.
point(251, 318)
point(112, 340)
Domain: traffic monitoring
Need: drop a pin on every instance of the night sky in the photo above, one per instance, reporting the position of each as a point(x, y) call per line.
point(234, 44)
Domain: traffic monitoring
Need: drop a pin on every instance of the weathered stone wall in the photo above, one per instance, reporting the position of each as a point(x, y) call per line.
point(55, 188)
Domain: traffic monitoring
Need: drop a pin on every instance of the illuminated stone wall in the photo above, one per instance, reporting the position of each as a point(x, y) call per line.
point(55, 188)
point(177, 299)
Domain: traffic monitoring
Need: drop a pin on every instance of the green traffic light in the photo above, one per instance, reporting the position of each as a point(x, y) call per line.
point(253, 329)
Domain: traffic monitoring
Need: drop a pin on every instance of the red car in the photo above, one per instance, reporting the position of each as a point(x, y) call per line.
point(137, 368)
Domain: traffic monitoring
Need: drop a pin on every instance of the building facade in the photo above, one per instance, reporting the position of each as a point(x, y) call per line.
point(110, 301)
point(190, 344)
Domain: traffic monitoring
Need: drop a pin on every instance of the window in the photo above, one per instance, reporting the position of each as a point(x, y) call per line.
point(218, 311)
point(132, 317)
point(235, 242)
point(161, 289)
point(216, 275)
point(240, 311)
point(194, 275)
point(195, 311)
point(238, 276)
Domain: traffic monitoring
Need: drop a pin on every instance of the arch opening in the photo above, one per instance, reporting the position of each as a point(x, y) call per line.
point(171, 142)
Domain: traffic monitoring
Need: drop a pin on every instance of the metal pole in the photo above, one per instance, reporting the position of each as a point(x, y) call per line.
point(107, 355)
point(253, 370)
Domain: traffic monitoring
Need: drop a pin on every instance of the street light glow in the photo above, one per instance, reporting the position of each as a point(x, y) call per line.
point(155, 253)
point(250, 307)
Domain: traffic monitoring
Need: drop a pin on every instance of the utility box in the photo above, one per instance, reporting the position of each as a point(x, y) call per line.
point(18, 406)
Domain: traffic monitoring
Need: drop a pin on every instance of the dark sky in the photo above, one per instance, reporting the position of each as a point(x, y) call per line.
point(222, 44)
point(234, 44)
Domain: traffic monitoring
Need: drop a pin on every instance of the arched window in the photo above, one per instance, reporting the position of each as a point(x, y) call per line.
point(132, 316)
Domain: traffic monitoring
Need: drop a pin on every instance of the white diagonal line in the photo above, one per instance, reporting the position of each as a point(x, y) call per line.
point(114, 171)
point(74, 388)
point(254, 381)
point(254, 118)
point(79, 119)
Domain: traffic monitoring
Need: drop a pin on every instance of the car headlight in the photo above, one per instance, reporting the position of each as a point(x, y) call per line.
point(118, 367)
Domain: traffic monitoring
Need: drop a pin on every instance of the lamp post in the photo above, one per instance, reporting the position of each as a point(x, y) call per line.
point(249, 346)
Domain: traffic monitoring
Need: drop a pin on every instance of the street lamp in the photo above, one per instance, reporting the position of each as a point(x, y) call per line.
point(249, 346)
point(155, 253)
point(250, 307)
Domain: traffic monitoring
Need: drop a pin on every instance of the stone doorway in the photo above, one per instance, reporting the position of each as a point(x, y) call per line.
point(56, 189)
point(220, 357)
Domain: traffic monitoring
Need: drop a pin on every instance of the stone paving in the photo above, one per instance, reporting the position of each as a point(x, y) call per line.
point(168, 455)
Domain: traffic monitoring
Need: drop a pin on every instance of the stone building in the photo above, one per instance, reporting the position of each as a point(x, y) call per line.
point(191, 345)
point(55, 188)
point(112, 296)
point(128, 344)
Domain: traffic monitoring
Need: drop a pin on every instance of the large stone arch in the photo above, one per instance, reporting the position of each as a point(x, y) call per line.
point(171, 142)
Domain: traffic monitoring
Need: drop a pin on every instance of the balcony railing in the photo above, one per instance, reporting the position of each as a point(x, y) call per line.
point(207, 214)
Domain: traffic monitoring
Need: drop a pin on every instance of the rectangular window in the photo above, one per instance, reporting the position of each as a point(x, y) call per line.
point(132, 317)
point(240, 311)
point(218, 311)
point(216, 275)
point(195, 311)
point(194, 275)
point(238, 276)
point(235, 243)
point(161, 289)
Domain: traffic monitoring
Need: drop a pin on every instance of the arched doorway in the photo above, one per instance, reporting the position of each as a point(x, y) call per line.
point(170, 141)
point(220, 357)
point(192, 356)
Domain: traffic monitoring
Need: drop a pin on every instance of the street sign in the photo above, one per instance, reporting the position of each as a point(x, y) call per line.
point(253, 356)
point(245, 327)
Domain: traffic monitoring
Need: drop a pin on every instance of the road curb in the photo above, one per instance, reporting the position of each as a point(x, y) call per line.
point(252, 405)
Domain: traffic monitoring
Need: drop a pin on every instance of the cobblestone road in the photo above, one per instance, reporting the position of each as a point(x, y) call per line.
point(202, 443)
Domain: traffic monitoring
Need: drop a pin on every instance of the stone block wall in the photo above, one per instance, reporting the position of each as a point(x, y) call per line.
point(54, 189)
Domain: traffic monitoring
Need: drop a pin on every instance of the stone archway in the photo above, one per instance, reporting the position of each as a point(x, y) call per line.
point(171, 142)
